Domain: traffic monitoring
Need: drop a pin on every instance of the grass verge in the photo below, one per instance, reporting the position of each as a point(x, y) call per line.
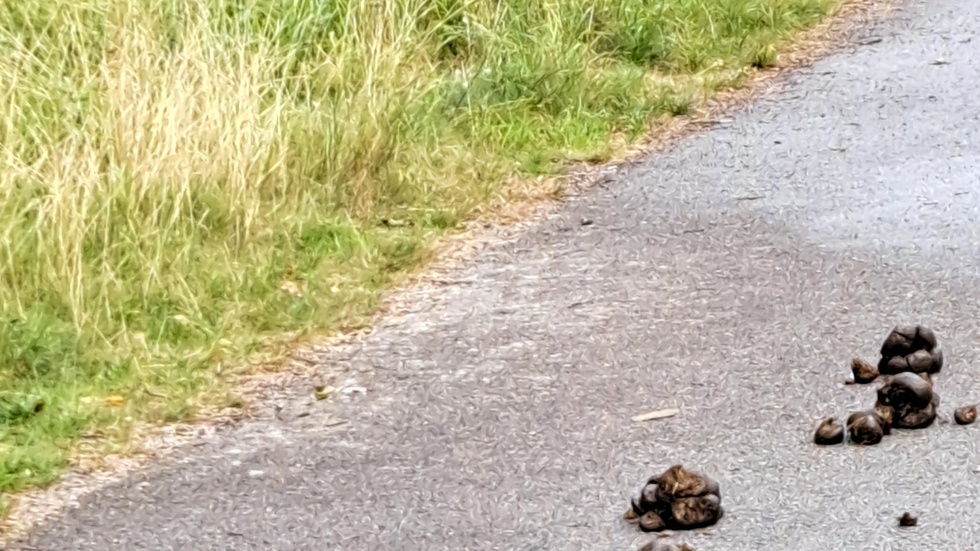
point(182, 183)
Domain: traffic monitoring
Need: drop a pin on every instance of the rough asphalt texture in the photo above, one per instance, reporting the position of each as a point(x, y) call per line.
point(733, 276)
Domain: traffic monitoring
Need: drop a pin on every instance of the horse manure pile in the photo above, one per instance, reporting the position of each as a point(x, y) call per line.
point(678, 499)
point(681, 499)
point(907, 399)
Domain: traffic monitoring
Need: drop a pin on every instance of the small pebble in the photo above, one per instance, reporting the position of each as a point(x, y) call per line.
point(322, 392)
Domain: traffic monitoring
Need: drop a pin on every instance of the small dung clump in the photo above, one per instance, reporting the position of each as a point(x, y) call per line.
point(829, 432)
point(899, 341)
point(911, 400)
point(866, 428)
point(661, 544)
point(863, 371)
point(965, 415)
point(910, 348)
point(907, 520)
point(678, 499)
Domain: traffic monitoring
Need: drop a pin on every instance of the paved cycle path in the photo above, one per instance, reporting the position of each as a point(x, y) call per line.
point(732, 276)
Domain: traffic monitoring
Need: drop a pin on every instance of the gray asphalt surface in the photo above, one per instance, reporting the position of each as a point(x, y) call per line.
point(732, 276)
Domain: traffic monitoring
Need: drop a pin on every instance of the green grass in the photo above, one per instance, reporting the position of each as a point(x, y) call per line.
point(173, 171)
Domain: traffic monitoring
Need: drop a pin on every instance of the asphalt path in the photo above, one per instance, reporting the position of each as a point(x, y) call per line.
point(732, 276)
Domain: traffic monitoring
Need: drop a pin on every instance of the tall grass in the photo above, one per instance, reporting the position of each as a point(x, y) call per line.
point(180, 179)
